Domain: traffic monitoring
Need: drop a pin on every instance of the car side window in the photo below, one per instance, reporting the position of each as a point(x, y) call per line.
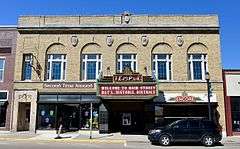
point(182, 124)
point(194, 124)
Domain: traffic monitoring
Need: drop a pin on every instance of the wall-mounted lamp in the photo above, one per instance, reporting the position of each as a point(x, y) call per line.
point(146, 70)
point(108, 71)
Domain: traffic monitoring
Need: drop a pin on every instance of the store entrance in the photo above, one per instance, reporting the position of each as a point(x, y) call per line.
point(127, 118)
point(235, 110)
point(23, 119)
point(68, 115)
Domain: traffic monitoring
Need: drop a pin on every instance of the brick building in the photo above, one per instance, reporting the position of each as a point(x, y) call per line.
point(8, 36)
point(231, 78)
point(138, 71)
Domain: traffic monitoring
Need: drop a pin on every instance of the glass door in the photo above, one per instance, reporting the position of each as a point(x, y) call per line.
point(235, 109)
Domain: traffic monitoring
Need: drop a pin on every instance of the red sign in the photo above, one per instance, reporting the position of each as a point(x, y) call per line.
point(113, 90)
point(127, 78)
point(185, 99)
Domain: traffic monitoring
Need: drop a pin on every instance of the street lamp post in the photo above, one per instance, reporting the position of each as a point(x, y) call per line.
point(207, 77)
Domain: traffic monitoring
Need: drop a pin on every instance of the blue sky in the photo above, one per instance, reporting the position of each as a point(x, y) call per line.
point(228, 11)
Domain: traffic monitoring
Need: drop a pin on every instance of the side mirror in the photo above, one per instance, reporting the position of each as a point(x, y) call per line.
point(176, 126)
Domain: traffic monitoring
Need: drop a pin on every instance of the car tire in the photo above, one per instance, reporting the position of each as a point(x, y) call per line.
point(208, 140)
point(164, 140)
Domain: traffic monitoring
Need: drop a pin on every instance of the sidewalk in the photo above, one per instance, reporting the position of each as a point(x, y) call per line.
point(84, 136)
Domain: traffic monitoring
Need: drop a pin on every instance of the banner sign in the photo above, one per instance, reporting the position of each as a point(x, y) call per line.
point(188, 97)
point(68, 85)
point(121, 90)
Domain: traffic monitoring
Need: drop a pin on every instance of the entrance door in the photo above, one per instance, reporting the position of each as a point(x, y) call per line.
point(23, 116)
point(235, 109)
point(69, 115)
point(131, 122)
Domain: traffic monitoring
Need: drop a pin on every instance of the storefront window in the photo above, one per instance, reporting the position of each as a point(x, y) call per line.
point(46, 116)
point(126, 60)
point(71, 116)
point(86, 116)
point(3, 109)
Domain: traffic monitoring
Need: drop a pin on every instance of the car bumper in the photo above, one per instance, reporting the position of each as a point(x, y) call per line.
point(153, 137)
point(218, 138)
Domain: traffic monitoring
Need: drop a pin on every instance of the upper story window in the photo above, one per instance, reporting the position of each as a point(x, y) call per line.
point(91, 66)
point(162, 66)
point(27, 67)
point(2, 67)
point(126, 60)
point(197, 66)
point(56, 68)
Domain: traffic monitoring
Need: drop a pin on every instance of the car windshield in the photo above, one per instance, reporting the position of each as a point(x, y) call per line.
point(173, 123)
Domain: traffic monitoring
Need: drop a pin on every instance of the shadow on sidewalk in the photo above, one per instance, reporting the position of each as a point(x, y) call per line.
point(188, 144)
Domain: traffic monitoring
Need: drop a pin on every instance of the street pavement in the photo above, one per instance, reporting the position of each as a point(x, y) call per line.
point(80, 140)
point(127, 145)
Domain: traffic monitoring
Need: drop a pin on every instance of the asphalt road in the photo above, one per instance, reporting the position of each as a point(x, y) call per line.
point(129, 145)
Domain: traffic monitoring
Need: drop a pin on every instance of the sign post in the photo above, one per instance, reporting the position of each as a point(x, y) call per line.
point(90, 137)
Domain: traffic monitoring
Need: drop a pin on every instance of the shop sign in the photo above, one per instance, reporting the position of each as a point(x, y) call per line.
point(127, 78)
point(68, 85)
point(123, 90)
point(185, 99)
point(232, 84)
point(188, 97)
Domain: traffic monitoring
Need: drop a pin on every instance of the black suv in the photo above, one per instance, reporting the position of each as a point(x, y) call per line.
point(187, 130)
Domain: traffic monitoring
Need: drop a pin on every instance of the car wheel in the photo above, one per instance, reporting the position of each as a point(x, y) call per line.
point(208, 140)
point(164, 140)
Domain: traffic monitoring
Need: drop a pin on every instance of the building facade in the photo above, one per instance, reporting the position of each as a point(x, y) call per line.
point(135, 71)
point(8, 35)
point(232, 101)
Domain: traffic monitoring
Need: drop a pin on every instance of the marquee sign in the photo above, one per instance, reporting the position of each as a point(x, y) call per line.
point(128, 78)
point(126, 90)
point(68, 85)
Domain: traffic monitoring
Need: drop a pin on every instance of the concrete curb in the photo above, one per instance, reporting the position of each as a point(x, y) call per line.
point(67, 140)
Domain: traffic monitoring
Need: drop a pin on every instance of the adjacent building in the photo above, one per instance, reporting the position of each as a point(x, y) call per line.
point(232, 100)
point(8, 36)
point(130, 73)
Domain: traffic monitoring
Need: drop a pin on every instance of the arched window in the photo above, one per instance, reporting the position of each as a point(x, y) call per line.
point(197, 61)
point(126, 57)
point(162, 61)
point(91, 62)
point(91, 66)
point(56, 62)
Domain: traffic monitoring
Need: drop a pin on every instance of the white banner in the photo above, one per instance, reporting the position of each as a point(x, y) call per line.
point(233, 84)
point(188, 97)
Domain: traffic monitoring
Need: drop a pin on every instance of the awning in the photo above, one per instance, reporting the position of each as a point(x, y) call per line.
point(68, 98)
